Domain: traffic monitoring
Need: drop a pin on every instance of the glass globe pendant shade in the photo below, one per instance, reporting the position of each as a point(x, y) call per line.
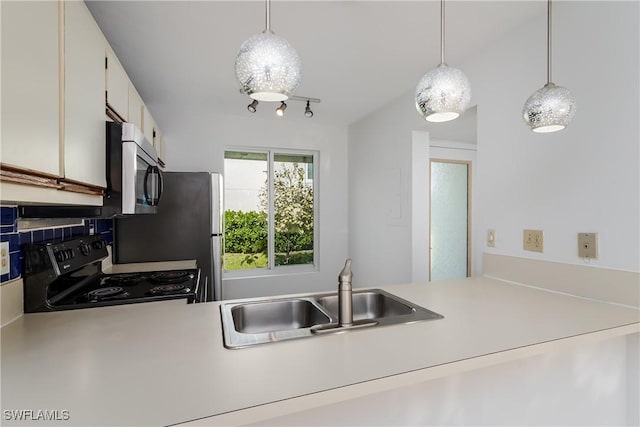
point(268, 67)
point(443, 94)
point(549, 109)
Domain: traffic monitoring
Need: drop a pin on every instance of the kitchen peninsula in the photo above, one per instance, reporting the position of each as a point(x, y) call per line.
point(165, 363)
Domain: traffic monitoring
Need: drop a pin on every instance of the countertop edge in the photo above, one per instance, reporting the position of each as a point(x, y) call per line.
point(340, 394)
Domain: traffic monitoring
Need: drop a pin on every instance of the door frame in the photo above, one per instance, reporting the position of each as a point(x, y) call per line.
point(469, 207)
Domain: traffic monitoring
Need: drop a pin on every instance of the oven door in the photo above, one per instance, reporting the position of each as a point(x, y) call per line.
point(141, 180)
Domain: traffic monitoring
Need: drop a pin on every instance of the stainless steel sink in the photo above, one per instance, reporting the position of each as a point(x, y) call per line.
point(273, 316)
point(369, 305)
point(259, 320)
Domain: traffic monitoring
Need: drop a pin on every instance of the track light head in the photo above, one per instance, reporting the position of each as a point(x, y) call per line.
point(307, 111)
point(280, 109)
point(253, 106)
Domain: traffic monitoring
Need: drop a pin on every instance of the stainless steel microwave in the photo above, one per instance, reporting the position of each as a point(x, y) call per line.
point(134, 179)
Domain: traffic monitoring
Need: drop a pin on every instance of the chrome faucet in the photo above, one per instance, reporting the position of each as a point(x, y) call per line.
point(345, 298)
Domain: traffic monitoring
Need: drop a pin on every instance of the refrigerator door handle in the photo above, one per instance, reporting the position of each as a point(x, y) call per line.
point(216, 252)
point(217, 205)
point(204, 289)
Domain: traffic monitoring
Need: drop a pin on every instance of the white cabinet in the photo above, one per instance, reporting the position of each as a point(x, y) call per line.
point(148, 124)
point(84, 97)
point(136, 107)
point(117, 86)
point(58, 75)
point(158, 143)
point(30, 86)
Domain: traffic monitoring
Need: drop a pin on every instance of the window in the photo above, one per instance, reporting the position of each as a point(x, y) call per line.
point(270, 210)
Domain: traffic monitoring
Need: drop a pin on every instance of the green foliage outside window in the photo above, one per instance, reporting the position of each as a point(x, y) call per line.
point(246, 233)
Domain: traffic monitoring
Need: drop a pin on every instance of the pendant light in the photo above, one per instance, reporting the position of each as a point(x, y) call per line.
point(444, 92)
point(551, 107)
point(267, 65)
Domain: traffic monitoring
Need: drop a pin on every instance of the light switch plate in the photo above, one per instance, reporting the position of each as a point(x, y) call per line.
point(491, 238)
point(588, 245)
point(533, 240)
point(4, 258)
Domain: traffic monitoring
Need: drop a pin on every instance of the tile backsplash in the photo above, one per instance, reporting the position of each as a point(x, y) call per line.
point(9, 233)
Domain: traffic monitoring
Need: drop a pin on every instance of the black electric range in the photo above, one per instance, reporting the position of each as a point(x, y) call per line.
point(66, 275)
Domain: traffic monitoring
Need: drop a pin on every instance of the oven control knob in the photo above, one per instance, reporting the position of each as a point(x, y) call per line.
point(59, 256)
point(98, 244)
point(70, 253)
point(85, 249)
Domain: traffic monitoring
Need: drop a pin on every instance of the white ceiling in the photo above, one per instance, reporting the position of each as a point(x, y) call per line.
point(356, 55)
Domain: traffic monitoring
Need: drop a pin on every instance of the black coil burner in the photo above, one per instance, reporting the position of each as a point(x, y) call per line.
point(171, 276)
point(104, 294)
point(168, 289)
point(124, 279)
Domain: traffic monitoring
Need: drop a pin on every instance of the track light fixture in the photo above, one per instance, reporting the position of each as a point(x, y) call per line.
point(307, 111)
point(280, 109)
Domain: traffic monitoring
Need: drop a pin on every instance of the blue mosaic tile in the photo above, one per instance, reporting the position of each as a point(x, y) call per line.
point(8, 215)
point(37, 236)
point(13, 239)
point(103, 225)
point(7, 229)
point(14, 242)
point(25, 238)
point(16, 265)
point(57, 233)
point(108, 237)
point(48, 234)
point(4, 278)
point(77, 231)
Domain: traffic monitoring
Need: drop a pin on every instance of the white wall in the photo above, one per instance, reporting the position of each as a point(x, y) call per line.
point(583, 179)
point(380, 148)
point(197, 143)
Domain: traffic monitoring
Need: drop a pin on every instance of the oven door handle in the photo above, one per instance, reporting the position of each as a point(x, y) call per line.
point(72, 289)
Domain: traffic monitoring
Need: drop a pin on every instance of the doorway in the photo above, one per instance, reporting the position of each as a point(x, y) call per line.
point(449, 219)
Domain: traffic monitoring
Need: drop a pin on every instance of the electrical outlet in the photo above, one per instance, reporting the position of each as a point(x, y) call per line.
point(533, 240)
point(4, 258)
point(491, 238)
point(588, 245)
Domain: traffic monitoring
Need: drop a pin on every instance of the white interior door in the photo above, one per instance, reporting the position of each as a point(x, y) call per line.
point(449, 256)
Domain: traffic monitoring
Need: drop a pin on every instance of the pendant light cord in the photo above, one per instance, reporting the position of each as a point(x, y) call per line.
point(548, 41)
point(267, 16)
point(442, 32)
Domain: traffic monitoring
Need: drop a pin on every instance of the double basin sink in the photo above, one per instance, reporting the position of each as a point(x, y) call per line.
point(258, 321)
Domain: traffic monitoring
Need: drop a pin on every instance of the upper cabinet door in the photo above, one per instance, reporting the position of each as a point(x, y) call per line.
point(84, 97)
point(117, 86)
point(148, 124)
point(135, 107)
point(30, 85)
point(158, 143)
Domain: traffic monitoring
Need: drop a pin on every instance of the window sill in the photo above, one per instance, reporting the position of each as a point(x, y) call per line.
point(265, 272)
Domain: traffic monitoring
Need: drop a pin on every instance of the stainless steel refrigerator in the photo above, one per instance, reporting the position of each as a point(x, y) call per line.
point(188, 225)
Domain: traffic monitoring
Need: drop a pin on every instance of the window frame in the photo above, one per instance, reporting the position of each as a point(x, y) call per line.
point(272, 269)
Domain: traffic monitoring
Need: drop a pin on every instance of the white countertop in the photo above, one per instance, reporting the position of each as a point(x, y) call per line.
point(164, 363)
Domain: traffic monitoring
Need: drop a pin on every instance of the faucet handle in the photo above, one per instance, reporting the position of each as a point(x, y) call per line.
point(346, 275)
